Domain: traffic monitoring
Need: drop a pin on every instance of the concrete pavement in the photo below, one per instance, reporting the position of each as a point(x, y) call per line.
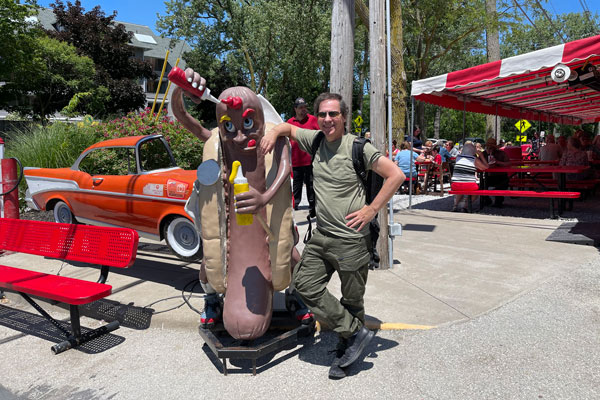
point(469, 276)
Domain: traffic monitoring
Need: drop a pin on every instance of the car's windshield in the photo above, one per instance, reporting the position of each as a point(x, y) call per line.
point(155, 155)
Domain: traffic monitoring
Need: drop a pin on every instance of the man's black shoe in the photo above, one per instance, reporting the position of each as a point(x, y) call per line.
point(336, 372)
point(356, 345)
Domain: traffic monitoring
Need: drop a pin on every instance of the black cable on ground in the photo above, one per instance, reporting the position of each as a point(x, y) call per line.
point(195, 282)
point(185, 300)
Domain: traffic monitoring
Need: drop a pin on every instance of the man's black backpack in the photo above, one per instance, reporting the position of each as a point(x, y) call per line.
point(371, 181)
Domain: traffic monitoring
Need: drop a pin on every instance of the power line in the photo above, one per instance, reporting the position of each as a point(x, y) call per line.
point(550, 20)
point(587, 13)
point(527, 16)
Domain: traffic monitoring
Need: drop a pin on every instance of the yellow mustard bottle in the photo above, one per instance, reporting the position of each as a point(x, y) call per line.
point(240, 185)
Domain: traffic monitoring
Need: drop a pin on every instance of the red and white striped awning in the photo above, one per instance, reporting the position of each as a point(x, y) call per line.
point(521, 87)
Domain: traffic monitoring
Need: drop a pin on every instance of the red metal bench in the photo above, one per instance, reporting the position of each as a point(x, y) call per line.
point(108, 247)
point(517, 193)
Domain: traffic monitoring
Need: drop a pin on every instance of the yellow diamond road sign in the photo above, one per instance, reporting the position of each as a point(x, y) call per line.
point(358, 121)
point(522, 125)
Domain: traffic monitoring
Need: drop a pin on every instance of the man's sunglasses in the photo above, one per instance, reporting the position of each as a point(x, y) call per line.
point(332, 114)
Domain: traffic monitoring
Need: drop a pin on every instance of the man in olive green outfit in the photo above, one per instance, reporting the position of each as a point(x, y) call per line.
point(341, 242)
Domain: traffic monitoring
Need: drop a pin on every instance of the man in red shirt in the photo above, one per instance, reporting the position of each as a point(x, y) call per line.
point(301, 160)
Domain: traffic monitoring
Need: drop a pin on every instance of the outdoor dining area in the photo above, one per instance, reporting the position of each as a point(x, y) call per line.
point(558, 87)
point(516, 177)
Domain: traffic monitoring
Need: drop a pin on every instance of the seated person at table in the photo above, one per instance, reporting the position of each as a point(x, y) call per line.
point(535, 144)
point(465, 173)
point(497, 180)
point(444, 153)
point(451, 148)
point(416, 140)
point(551, 150)
point(575, 156)
point(427, 150)
point(453, 151)
point(586, 141)
point(405, 159)
point(394, 150)
point(562, 142)
point(596, 148)
point(435, 154)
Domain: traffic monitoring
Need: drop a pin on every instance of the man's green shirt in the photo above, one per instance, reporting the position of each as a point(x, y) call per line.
point(338, 189)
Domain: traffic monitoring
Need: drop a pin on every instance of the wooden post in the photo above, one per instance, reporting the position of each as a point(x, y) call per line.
point(342, 52)
point(493, 123)
point(378, 107)
point(398, 74)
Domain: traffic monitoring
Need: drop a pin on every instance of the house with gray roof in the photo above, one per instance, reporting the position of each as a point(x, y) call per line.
point(146, 46)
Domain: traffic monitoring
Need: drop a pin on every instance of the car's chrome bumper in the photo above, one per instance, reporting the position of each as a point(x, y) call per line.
point(30, 203)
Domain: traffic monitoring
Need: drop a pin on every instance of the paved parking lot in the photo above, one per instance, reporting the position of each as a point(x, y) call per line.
point(511, 315)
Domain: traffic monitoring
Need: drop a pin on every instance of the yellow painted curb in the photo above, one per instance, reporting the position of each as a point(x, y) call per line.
point(387, 326)
point(390, 326)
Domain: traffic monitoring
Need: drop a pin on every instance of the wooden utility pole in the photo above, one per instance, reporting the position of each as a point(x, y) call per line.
point(378, 107)
point(492, 125)
point(399, 106)
point(342, 52)
point(398, 74)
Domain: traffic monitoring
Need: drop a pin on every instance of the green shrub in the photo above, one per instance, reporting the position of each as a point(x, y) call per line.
point(53, 146)
point(59, 144)
point(186, 148)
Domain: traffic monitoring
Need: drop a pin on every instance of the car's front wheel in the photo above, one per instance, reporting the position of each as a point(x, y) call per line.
point(63, 214)
point(183, 240)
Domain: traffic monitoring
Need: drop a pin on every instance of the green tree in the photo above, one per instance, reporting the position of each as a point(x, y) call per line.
point(16, 36)
point(440, 36)
point(53, 76)
point(95, 35)
point(546, 31)
point(279, 48)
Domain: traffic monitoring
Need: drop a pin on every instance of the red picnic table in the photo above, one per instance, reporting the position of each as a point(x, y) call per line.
point(535, 170)
point(533, 162)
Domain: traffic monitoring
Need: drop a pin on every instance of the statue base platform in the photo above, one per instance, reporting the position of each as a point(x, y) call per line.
point(224, 347)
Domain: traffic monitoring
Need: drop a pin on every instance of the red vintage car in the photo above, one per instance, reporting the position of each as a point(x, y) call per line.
point(128, 182)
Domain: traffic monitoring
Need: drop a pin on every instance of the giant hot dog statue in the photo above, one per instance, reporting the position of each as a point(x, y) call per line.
point(245, 258)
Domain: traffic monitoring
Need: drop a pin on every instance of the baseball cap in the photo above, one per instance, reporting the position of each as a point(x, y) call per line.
point(299, 102)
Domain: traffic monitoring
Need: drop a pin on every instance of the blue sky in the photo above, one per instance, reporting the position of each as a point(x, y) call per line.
point(141, 12)
point(144, 11)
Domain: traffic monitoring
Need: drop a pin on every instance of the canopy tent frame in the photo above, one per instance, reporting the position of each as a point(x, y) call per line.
point(523, 87)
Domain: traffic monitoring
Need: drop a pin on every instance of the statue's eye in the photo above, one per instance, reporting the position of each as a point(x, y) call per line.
point(248, 123)
point(229, 127)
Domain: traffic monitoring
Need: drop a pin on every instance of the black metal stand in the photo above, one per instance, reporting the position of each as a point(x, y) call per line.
point(74, 338)
point(279, 321)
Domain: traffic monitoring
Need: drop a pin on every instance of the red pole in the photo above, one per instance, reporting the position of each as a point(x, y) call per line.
point(10, 201)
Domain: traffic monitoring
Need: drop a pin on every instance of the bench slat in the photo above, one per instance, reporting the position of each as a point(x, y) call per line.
point(114, 247)
point(55, 287)
point(518, 193)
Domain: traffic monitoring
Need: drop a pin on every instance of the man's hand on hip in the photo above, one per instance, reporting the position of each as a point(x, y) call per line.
point(361, 217)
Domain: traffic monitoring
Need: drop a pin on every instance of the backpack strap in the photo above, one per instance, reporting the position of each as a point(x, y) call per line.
point(314, 147)
point(358, 160)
